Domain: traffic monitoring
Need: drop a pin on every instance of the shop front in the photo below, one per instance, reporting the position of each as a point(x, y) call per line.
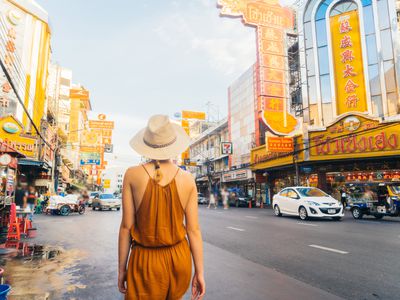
point(240, 182)
point(276, 170)
point(354, 149)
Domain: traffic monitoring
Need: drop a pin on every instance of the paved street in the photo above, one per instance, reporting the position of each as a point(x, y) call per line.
point(249, 254)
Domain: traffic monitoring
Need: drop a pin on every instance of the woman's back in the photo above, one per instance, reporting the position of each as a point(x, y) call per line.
point(159, 216)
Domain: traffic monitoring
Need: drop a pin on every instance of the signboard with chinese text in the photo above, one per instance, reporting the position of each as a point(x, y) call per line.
point(348, 63)
point(355, 137)
point(279, 144)
point(79, 93)
point(101, 124)
point(195, 115)
point(90, 158)
point(271, 21)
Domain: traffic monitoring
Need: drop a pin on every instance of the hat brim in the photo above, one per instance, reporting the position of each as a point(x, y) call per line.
point(172, 151)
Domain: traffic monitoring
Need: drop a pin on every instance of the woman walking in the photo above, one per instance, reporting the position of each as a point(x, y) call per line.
point(157, 198)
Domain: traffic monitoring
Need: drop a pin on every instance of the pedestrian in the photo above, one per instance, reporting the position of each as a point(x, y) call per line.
point(212, 201)
point(343, 198)
point(31, 200)
point(20, 196)
point(225, 195)
point(158, 198)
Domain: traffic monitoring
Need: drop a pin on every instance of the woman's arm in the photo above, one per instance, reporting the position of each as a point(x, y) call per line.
point(128, 219)
point(196, 243)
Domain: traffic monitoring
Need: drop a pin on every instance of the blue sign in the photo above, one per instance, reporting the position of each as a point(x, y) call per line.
point(90, 162)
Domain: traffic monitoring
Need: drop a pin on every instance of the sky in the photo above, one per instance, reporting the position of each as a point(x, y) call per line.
point(140, 58)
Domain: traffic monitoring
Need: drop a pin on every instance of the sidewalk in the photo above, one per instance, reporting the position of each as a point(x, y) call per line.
point(232, 277)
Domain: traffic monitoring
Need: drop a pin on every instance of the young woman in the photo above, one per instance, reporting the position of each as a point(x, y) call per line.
point(159, 203)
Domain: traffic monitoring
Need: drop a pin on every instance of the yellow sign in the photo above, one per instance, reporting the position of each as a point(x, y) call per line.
point(271, 20)
point(193, 115)
point(262, 159)
point(101, 124)
point(355, 137)
point(279, 144)
point(23, 144)
point(348, 61)
point(79, 94)
point(106, 183)
point(74, 121)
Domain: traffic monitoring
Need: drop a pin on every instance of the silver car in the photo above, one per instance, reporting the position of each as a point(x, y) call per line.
point(106, 202)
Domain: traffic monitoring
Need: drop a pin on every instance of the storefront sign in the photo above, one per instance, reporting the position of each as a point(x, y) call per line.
point(262, 159)
point(101, 124)
point(226, 148)
point(279, 144)
point(348, 62)
point(80, 94)
point(194, 115)
point(23, 144)
point(90, 158)
point(355, 137)
point(272, 21)
point(106, 183)
point(237, 175)
point(11, 127)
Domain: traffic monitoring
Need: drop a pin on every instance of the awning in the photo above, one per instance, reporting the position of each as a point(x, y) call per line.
point(33, 163)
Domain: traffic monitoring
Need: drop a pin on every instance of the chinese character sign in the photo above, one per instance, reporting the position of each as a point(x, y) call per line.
point(348, 62)
point(271, 21)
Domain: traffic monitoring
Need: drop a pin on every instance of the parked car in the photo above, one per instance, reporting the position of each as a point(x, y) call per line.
point(201, 199)
point(65, 205)
point(106, 201)
point(306, 202)
point(92, 195)
point(239, 199)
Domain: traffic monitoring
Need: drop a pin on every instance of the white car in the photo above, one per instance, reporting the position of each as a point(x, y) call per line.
point(306, 202)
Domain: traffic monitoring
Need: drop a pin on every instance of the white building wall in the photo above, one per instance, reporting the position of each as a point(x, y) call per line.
point(242, 117)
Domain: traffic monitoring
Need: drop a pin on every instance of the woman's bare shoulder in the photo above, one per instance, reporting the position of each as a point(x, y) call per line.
point(133, 172)
point(187, 178)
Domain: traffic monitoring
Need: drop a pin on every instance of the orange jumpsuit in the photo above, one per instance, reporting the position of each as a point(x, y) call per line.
point(160, 264)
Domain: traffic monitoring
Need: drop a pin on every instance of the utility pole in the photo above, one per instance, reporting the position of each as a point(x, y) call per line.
point(295, 159)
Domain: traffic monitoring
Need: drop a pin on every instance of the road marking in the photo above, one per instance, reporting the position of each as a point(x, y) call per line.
point(234, 228)
point(251, 217)
point(329, 249)
point(306, 224)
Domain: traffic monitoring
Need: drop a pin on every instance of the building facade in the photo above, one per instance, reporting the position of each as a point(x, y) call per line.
point(349, 58)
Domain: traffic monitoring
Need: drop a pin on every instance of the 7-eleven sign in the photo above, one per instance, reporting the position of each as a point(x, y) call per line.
point(226, 148)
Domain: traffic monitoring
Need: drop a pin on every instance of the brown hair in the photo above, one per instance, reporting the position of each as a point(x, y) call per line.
point(157, 173)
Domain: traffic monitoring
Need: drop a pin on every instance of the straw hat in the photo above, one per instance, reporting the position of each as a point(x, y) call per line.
point(161, 139)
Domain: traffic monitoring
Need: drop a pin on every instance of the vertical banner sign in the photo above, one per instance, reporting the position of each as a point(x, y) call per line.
point(347, 56)
point(74, 120)
point(271, 21)
point(185, 125)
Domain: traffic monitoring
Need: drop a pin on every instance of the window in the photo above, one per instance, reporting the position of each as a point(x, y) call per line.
point(372, 53)
point(326, 93)
point(283, 193)
point(308, 35)
point(292, 194)
point(311, 192)
point(390, 76)
point(369, 25)
point(343, 7)
point(320, 27)
point(387, 48)
point(323, 60)
point(383, 15)
point(310, 62)
point(374, 82)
